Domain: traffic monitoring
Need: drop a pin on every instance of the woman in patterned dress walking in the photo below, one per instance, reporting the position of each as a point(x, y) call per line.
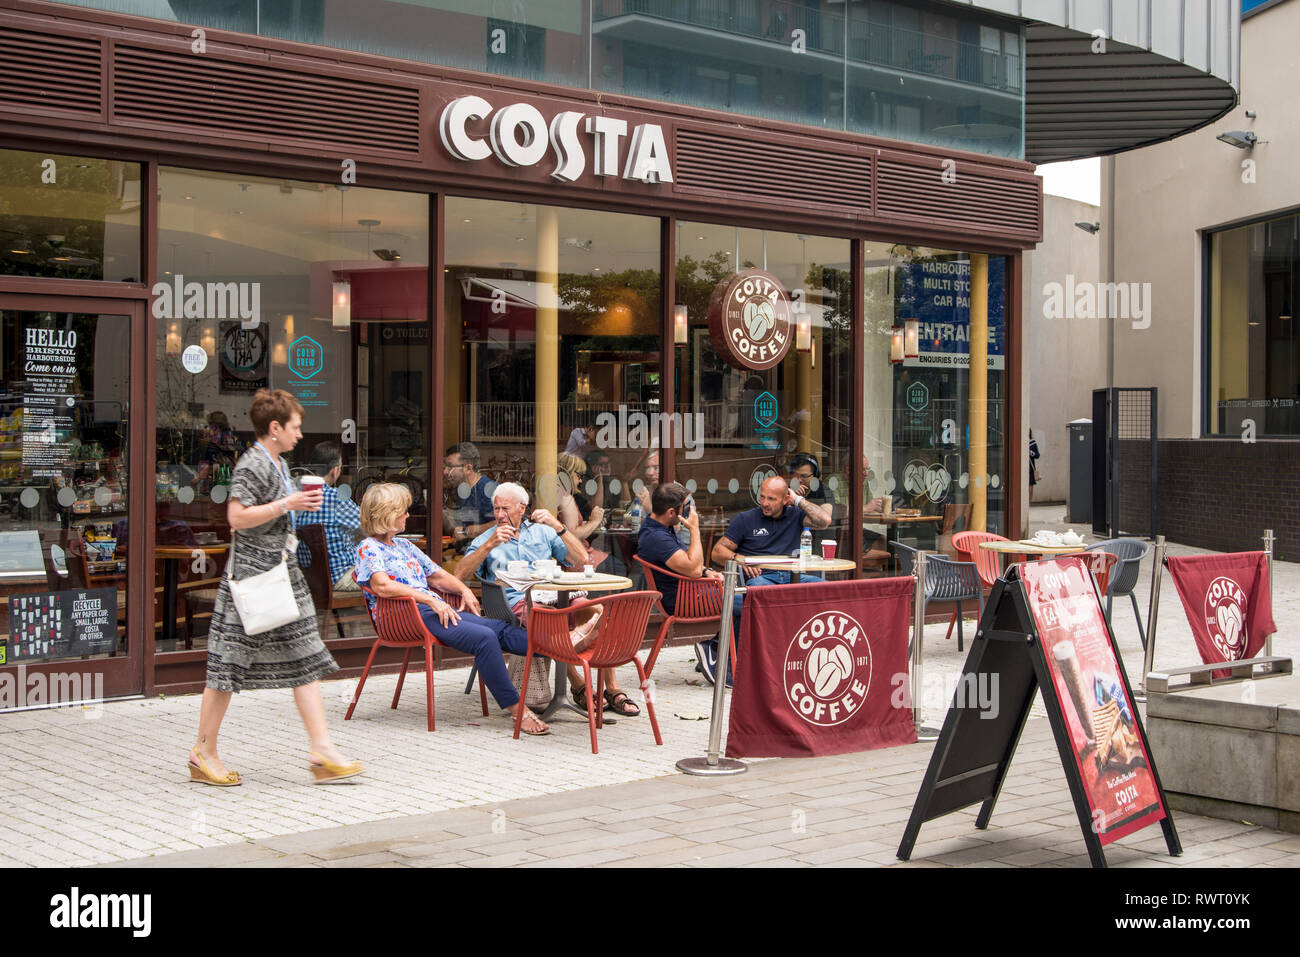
point(293, 655)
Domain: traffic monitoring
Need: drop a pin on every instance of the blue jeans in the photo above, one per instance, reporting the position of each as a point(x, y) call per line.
point(769, 577)
point(486, 639)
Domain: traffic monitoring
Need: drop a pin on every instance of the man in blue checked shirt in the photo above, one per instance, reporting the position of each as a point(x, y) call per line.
point(339, 516)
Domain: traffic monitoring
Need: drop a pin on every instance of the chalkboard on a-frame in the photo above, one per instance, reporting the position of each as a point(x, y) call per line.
point(1039, 616)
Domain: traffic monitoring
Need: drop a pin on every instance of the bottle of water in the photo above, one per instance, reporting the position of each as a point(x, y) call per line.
point(805, 545)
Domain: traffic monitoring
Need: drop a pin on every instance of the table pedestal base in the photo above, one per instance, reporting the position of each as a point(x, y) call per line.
point(702, 767)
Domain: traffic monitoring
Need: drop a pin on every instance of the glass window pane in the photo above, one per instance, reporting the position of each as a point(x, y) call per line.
point(69, 217)
point(249, 269)
point(1254, 355)
point(749, 425)
point(554, 322)
point(63, 485)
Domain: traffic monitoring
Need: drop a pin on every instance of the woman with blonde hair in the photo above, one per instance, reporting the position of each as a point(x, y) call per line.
point(293, 655)
point(392, 567)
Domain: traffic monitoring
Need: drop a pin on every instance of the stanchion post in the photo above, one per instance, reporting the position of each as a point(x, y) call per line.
point(713, 762)
point(1153, 610)
point(1268, 550)
point(923, 733)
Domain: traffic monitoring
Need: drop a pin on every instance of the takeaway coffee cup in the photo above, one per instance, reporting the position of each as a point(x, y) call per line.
point(828, 548)
point(313, 484)
point(1068, 663)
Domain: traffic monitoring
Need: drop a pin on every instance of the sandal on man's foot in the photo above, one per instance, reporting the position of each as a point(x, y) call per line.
point(619, 703)
point(579, 695)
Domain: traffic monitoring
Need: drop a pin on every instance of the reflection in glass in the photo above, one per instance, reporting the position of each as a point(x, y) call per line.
point(249, 266)
point(69, 217)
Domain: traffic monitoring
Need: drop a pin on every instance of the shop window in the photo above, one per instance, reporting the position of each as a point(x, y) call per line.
point(919, 418)
point(249, 268)
point(553, 321)
point(69, 217)
point(63, 485)
point(750, 420)
point(1253, 359)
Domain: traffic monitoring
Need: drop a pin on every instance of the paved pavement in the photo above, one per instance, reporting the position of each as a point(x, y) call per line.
point(108, 784)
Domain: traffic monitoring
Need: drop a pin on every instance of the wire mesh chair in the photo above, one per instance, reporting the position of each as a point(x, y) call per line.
point(945, 580)
point(618, 641)
point(1124, 579)
point(699, 601)
point(398, 624)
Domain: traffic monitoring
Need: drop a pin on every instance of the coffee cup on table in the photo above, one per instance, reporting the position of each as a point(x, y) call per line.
point(828, 548)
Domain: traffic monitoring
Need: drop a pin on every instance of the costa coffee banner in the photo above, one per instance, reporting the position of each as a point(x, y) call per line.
point(1105, 740)
point(750, 323)
point(1227, 602)
point(817, 669)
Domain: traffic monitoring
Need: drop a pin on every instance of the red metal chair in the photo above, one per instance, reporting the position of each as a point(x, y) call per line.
point(618, 641)
point(988, 563)
point(398, 624)
point(699, 601)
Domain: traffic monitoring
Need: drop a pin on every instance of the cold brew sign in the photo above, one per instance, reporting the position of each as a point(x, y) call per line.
point(749, 320)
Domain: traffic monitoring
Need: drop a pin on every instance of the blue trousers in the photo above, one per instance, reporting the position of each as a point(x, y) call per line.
point(486, 639)
point(769, 577)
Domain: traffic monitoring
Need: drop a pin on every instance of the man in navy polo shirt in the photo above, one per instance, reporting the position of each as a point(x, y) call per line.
point(658, 543)
point(773, 529)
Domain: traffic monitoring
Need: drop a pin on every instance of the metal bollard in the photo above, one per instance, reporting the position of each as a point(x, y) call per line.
point(1268, 550)
point(1153, 611)
point(923, 733)
point(713, 763)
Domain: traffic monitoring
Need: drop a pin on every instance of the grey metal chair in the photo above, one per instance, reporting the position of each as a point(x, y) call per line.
point(945, 580)
point(1124, 576)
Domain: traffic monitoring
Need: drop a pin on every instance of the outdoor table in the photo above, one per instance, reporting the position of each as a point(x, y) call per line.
point(563, 589)
point(892, 523)
point(796, 566)
point(1030, 548)
point(172, 556)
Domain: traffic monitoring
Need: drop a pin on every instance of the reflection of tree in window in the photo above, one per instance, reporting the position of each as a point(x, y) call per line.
point(517, 50)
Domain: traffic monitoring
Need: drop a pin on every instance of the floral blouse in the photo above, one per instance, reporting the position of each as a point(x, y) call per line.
point(401, 561)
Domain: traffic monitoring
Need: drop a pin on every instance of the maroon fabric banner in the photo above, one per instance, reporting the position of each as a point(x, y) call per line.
point(819, 664)
point(1227, 602)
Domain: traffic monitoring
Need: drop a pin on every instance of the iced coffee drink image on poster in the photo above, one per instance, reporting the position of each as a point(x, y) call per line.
point(1098, 712)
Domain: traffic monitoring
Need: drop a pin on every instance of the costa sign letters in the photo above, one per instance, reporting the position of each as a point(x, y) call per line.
point(749, 320)
point(518, 135)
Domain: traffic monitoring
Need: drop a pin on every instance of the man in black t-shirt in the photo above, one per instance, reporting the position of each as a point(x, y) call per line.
point(658, 543)
point(774, 528)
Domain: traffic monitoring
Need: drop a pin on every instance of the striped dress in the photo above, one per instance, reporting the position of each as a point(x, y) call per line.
point(284, 657)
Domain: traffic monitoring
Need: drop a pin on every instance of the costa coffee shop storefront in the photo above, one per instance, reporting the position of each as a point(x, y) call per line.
point(425, 257)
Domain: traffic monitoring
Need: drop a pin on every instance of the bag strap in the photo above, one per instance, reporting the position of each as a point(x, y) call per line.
point(284, 552)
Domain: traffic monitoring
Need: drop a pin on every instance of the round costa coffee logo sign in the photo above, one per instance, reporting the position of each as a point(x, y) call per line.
point(828, 669)
point(1225, 616)
point(749, 320)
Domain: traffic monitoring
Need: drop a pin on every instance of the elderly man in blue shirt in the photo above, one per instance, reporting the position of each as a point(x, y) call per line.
point(518, 536)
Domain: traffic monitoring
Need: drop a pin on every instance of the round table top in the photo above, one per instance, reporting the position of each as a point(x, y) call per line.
point(579, 582)
point(814, 564)
point(1023, 548)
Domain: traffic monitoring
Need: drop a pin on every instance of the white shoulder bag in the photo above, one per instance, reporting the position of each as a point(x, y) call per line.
point(264, 601)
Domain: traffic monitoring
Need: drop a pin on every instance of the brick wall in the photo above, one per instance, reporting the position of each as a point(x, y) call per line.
point(1220, 494)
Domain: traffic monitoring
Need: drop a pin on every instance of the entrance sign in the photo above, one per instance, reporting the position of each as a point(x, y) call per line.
point(750, 324)
point(1043, 629)
point(518, 135)
point(816, 673)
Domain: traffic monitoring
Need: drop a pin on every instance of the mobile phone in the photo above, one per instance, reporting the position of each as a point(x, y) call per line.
point(686, 509)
